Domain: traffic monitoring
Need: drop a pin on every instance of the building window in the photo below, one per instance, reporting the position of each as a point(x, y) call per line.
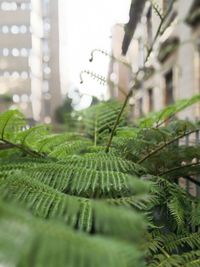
point(25, 6)
point(149, 26)
point(5, 29)
point(169, 94)
point(150, 100)
point(8, 6)
point(140, 107)
point(15, 52)
point(23, 29)
point(141, 53)
point(15, 29)
point(5, 52)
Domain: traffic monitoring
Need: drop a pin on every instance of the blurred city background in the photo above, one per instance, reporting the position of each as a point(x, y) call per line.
point(45, 44)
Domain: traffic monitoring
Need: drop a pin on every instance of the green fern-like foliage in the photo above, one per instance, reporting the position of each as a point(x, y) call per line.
point(64, 178)
point(26, 240)
point(65, 201)
point(158, 118)
point(99, 120)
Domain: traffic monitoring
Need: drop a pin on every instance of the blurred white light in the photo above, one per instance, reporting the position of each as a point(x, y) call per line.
point(114, 78)
point(47, 70)
point(15, 29)
point(5, 6)
point(45, 88)
point(15, 98)
point(5, 52)
point(13, 6)
point(23, 6)
point(5, 29)
point(46, 58)
point(9, 6)
point(47, 26)
point(15, 52)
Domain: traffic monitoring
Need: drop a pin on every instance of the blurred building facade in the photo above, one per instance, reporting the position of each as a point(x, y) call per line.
point(15, 48)
point(172, 71)
point(29, 60)
point(119, 73)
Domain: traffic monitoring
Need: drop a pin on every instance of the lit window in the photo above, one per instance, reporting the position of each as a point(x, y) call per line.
point(15, 29)
point(15, 98)
point(5, 29)
point(13, 6)
point(9, 6)
point(47, 70)
point(15, 52)
point(5, 52)
point(25, 6)
point(47, 26)
point(45, 88)
point(24, 52)
point(15, 75)
point(24, 75)
point(5, 6)
point(46, 58)
point(23, 29)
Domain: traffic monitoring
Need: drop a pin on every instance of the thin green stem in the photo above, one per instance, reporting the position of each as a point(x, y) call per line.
point(118, 120)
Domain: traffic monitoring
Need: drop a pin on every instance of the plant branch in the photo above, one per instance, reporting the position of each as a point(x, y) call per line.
point(8, 144)
point(179, 168)
point(5, 146)
point(155, 151)
point(117, 121)
point(156, 8)
point(135, 80)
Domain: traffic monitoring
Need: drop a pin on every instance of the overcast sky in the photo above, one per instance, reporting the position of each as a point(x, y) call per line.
point(86, 25)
